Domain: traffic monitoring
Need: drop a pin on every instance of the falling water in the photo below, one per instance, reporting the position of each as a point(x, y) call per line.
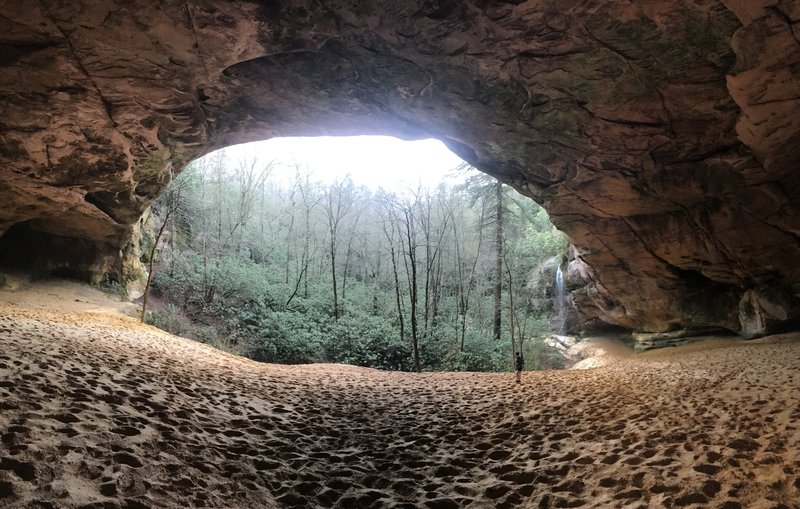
point(560, 303)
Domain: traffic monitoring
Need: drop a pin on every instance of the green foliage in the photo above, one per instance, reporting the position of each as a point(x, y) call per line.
point(481, 353)
point(285, 337)
point(168, 319)
point(208, 334)
point(113, 287)
point(368, 341)
point(539, 355)
point(251, 272)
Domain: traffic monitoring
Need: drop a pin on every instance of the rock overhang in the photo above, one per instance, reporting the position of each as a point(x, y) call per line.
point(662, 137)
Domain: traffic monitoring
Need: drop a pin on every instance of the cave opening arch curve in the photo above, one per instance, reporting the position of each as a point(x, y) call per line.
point(642, 129)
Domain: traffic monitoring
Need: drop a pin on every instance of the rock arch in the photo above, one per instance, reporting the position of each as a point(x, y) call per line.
point(662, 137)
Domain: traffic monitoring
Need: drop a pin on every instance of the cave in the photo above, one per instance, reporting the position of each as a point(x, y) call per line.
point(662, 137)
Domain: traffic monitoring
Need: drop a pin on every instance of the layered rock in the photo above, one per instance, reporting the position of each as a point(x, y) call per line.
point(661, 136)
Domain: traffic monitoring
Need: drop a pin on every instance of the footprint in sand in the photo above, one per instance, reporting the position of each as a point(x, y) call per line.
point(232, 434)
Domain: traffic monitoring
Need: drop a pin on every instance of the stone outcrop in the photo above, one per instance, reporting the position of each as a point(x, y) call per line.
point(662, 136)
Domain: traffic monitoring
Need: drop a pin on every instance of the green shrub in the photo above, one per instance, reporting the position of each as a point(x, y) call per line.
point(366, 340)
point(167, 318)
point(112, 287)
point(284, 337)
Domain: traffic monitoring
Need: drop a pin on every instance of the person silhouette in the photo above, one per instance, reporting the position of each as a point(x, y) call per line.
point(519, 363)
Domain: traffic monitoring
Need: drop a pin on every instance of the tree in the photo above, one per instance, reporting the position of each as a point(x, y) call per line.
point(408, 224)
point(498, 253)
point(435, 223)
point(338, 200)
point(389, 226)
point(313, 272)
point(466, 277)
point(171, 206)
point(487, 189)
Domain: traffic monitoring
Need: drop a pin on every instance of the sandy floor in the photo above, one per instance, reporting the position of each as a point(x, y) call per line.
point(97, 411)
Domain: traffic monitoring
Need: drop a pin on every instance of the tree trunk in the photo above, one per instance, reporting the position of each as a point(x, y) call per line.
point(498, 268)
point(461, 319)
point(333, 274)
point(398, 298)
point(338, 201)
point(347, 258)
point(306, 254)
point(302, 273)
point(289, 236)
point(173, 201)
point(437, 291)
point(426, 226)
point(150, 266)
point(414, 325)
point(413, 287)
point(512, 314)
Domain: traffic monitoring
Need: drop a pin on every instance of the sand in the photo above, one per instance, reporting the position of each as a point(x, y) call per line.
point(98, 411)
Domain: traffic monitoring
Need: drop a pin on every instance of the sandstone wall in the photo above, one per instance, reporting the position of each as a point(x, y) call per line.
point(661, 136)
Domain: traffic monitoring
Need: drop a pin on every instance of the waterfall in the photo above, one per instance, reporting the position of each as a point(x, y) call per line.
point(560, 302)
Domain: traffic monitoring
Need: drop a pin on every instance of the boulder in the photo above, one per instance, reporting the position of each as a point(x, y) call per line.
point(766, 310)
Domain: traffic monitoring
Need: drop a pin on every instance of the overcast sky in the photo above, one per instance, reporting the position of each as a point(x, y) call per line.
point(372, 161)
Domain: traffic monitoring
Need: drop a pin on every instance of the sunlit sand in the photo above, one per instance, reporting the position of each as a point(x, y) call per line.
point(99, 411)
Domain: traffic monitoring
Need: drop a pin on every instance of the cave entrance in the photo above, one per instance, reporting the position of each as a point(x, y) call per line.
point(37, 248)
point(366, 250)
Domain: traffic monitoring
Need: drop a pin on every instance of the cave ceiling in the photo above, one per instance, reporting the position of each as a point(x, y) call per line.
point(661, 136)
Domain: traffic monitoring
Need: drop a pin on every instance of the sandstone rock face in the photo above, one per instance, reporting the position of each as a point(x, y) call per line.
point(765, 309)
point(662, 136)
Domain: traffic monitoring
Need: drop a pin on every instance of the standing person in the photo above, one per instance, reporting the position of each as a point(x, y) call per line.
point(519, 363)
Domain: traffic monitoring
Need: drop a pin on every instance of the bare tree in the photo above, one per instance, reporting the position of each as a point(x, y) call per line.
point(172, 205)
point(434, 233)
point(338, 200)
point(466, 282)
point(389, 226)
point(349, 251)
point(488, 189)
point(408, 218)
point(246, 183)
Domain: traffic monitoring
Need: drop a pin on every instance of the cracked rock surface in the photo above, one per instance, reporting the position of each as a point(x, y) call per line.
point(662, 136)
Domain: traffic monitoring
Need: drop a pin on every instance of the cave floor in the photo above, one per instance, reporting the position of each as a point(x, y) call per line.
point(99, 411)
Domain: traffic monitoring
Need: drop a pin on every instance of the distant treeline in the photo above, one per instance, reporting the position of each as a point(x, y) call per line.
point(425, 279)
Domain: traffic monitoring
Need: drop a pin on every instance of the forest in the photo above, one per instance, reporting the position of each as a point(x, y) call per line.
point(280, 266)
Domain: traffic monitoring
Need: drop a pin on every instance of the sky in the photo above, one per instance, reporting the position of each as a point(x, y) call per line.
point(371, 161)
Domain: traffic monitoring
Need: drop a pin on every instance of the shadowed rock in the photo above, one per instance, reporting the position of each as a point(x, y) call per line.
point(662, 137)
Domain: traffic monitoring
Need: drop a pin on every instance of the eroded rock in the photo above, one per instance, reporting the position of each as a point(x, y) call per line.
point(662, 137)
point(766, 310)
